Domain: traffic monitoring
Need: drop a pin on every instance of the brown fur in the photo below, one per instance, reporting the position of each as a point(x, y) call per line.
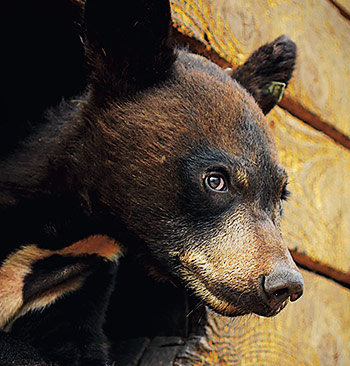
point(133, 159)
point(222, 268)
point(151, 133)
point(145, 141)
point(142, 143)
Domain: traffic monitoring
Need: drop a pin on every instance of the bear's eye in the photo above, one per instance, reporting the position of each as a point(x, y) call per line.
point(216, 182)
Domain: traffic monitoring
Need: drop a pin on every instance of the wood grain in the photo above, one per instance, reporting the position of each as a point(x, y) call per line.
point(317, 216)
point(314, 331)
point(235, 28)
point(297, 110)
point(343, 7)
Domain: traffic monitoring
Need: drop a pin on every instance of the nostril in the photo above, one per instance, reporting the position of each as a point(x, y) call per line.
point(281, 292)
point(295, 296)
point(281, 284)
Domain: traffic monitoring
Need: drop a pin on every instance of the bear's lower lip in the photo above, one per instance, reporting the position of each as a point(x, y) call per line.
point(273, 311)
point(223, 306)
point(230, 310)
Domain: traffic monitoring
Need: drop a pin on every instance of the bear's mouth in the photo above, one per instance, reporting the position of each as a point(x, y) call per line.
point(239, 302)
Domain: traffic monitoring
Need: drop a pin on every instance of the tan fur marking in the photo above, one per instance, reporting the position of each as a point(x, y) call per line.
point(242, 178)
point(12, 273)
point(46, 299)
point(245, 248)
point(100, 245)
point(18, 265)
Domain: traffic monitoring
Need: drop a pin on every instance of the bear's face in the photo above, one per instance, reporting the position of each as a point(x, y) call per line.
point(207, 203)
point(192, 167)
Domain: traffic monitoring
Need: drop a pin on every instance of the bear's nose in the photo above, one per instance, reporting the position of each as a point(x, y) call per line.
point(281, 284)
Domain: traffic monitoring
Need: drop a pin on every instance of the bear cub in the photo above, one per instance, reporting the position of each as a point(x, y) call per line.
point(164, 156)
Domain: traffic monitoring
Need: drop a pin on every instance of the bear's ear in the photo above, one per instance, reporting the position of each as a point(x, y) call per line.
point(267, 72)
point(127, 44)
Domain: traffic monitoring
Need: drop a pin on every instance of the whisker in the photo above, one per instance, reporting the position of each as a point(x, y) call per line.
point(195, 308)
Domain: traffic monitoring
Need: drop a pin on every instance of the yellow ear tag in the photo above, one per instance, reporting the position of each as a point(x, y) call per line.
point(274, 88)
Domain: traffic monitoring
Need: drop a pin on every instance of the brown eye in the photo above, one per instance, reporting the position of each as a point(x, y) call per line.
point(216, 182)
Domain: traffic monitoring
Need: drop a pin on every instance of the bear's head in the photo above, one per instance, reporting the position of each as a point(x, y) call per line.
point(186, 161)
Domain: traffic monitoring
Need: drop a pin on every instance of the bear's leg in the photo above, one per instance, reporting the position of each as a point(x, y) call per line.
point(69, 332)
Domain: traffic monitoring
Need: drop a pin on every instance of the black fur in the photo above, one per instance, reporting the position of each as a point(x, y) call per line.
point(123, 158)
point(13, 351)
point(69, 332)
point(42, 62)
point(109, 32)
point(274, 61)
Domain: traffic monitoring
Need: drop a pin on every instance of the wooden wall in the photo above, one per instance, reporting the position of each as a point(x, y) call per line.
point(312, 129)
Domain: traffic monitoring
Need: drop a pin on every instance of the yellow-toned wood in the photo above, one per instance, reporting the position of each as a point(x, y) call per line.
point(314, 331)
point(235, 28)
point(317, 216)
point(344, 4)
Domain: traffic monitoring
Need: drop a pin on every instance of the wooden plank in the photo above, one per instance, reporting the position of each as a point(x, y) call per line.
point(314, 331)
point(343, 7)
point(235, 28)
point(316, 218)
